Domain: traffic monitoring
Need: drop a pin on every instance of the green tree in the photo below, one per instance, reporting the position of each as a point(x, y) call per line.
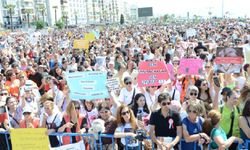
point(122, 19)
point(39, 24)
point(10, 9)
point(60, 24)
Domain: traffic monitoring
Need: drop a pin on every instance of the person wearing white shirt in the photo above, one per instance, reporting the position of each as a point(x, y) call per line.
point(128, 92)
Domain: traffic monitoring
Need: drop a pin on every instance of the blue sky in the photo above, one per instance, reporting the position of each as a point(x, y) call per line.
point(198, 7)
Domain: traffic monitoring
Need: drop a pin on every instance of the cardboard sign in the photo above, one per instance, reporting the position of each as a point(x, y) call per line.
point(228, 60)
point(191, 66)
point(113, 84)
point(101, 61)
point(152, 73)
point(76, 146)
point(89, 36)
point(87, 85)
point(81, 44)
point(29, 139)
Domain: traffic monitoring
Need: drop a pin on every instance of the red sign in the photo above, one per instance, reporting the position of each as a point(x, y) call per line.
point(228, 60)
point(152, 73)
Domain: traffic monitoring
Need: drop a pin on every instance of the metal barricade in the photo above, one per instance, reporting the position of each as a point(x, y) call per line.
point(5, 133)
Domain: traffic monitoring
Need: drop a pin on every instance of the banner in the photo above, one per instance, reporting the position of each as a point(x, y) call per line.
point(228, 60)
point(113, 84)
point(152, 73)
point(87, 85)
point(191, 66)
point(89, 36)
point(76, 146)
point(81, 44)
point(29, 139)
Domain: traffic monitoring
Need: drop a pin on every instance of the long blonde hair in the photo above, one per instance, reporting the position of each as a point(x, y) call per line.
point(70, 108)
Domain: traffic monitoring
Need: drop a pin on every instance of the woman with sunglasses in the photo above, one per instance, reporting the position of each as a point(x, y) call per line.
point(192, 128)
point(127, 126)
point(29, 121)
point(165, 125)
point(110, 124)
point(204, 93)
point(192, 94)
point(128, 93)
point(73, 122)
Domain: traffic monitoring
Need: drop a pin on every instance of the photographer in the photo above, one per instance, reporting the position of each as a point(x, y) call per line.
point(165, 125)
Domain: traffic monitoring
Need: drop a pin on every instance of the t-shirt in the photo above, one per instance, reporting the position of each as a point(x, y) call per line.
point(165, 127)
point(126, 96)
point(225, 122)
point(192, 128)
point(132, 142)
point(217, 132)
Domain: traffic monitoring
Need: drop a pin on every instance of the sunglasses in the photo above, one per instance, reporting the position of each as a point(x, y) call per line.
point(4, 94)
point(105, 111)
point(124, 113)
point(77, 108)
point(193, 94)
point(127, 83)
point(165, 103)
point(193, 111)
point(204, 84)
point(26, 113)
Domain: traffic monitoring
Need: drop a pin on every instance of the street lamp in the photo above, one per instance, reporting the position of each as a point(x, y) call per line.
point(55, 7)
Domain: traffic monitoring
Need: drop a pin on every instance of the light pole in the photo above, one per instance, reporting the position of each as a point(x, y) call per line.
point(55, 7)
point(222, 8)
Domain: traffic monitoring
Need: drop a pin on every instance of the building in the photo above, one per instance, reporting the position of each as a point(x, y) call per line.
point(77, 12)
point(71, 11)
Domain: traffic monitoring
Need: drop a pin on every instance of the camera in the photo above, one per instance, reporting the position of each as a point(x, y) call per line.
point(141, 135)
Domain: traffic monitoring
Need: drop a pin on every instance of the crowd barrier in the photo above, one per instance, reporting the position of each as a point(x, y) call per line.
point(98, 145)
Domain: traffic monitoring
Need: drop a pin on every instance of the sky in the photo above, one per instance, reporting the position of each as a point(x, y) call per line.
point(196, 7)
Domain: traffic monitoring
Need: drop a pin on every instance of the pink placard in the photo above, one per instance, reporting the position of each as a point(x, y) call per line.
point(191, 66)
point(152, 73)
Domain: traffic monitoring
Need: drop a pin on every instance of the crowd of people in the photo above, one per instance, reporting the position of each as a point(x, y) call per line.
point(207, 110)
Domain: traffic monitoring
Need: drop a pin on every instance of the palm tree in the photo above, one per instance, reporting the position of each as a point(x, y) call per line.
point(41, 8)
point(55, 7)
point(10, 8)
point(28, 12)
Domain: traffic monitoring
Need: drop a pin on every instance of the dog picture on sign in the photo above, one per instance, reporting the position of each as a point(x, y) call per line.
point(228, 60)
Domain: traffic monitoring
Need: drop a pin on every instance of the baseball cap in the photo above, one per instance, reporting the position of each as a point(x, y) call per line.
point(27, 110)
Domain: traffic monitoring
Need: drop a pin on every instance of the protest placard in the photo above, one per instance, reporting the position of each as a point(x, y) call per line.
point(29, 139)
point(76, 146)
point(113, 84)
point(190, 66)
point(87, 85)
point(89, 36)
point(101, 61)
point(152, 73)
point(81, 44)
point(228, 60)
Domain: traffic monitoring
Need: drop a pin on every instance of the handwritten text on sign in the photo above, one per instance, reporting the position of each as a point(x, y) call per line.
point(29, 139)
point(152, 73)
point(87, 85)
point(190, 66)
